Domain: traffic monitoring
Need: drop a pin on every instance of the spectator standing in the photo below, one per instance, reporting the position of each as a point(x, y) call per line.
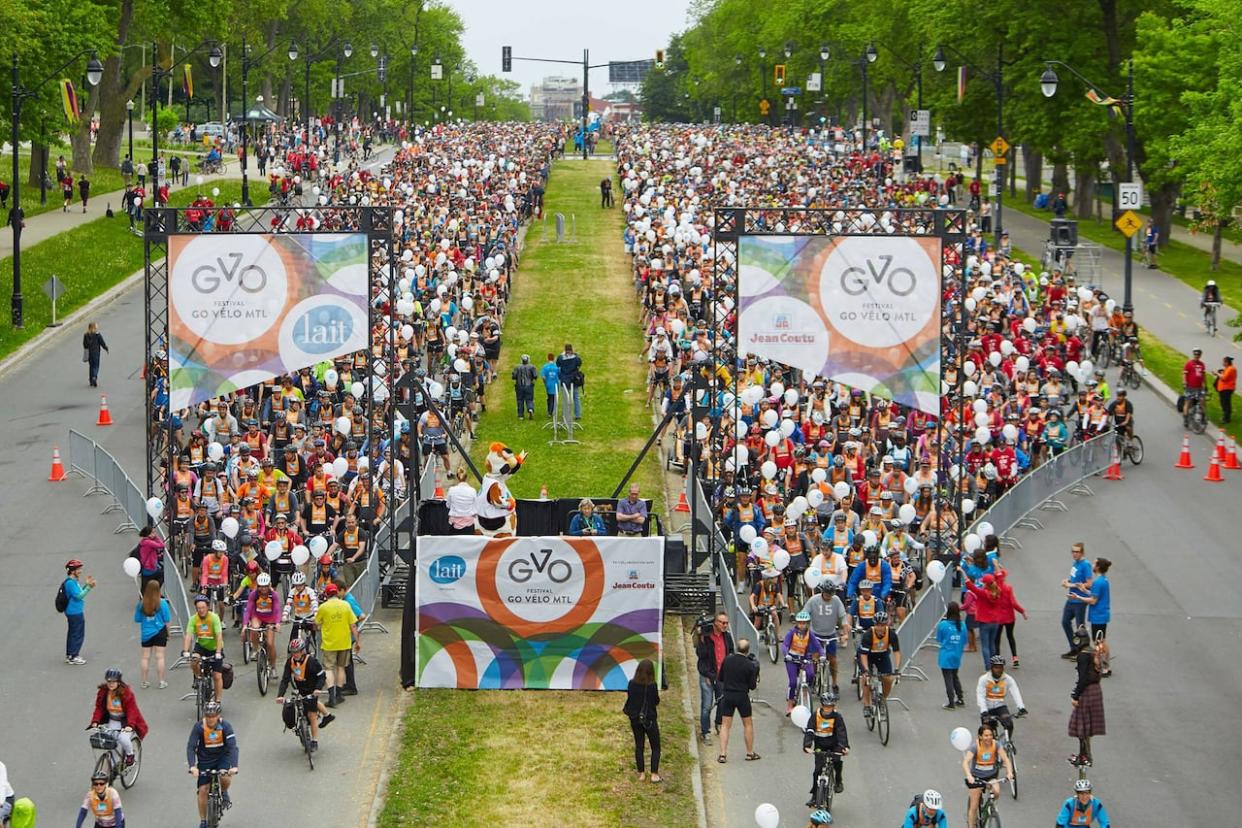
point(1074, 613)
point(1007, 609)
point(92, 344)
point(76, 589)
point(951, 636)
point(739, 674)
point(460, 499)
point(641, 701)
point(524, 386)
point(153, 615)
point(84, 190)
point(338, 625)
point(1100, 611)
point(550, 373)
point(713, 646)
point(631, 514)
point(1226, 384)
point(1087, 717)
point(150, 557)
point(570, 366)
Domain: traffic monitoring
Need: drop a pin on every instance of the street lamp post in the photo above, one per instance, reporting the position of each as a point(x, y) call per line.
point(917, 68)
point(823, 99)
point(1048, 85)
point(763, 80)
point(737, 61)
point(868, 57)
point(129, 114)
point(347, 50)
point(409, 103)
point(215, 55)
point(94, 72)
point(247, 62)
point(789, 50)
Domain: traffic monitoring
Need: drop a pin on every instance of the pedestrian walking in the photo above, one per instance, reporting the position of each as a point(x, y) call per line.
point(153, 614)
point(524, 386)
point(739, 674)
point(642, 698)
point(92, 343)
point(712, 645)
point(127, 170)
point(605, 193)
point(66, 191)
point(951, 636)
point(84, 190)
point(1074, 613)
point(76, 588)
point(1226, 384)
point(551, 376)
point(1008, 608)
point(1087, 718)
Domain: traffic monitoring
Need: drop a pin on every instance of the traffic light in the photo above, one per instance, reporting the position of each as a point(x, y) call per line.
point(779, 74)
point(506, 58)
point(659, 59)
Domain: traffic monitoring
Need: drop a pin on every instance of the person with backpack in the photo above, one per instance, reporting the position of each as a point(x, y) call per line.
point(70, 600)
point(926, 809)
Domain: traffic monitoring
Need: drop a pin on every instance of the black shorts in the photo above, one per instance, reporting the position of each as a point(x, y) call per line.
point(216, 665)
point(735, 702)
point(440, 449)
point(160, 639)
point(196, 558)
point(882, 663)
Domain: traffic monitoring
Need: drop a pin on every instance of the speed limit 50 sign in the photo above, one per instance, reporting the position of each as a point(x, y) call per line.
point(1129, 196)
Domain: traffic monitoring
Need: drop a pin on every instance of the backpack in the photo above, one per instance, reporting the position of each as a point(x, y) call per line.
point(62, 598)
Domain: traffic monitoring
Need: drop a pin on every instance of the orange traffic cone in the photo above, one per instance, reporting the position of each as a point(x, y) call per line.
point(58, 470)
point(1213, 473)
point(682, 505)
point(105, 416)
point(1114, 467)
point(1231, 456)
point(1183, 460)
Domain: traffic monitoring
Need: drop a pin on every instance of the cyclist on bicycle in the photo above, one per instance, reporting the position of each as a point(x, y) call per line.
point(1082, 809)
point(214, 581)
point(263, 608)
point(801, 648)
point(765, 596)
point(202, 531)
point(212, 746)
point(1194, 374)
point(301, 606)
point(865, 606)
point(102, 803)
point(116, 709)
point(306, 674)
point(904, 578)
point(991, 691)
point(1211, 296)
point(245, 586)
point(1121, 410)
point(829, 622)
point(825, 734)
point(872, 569)
point(982, 764)
point(819, 817)
point(879, 649)
point(204, 629)
point(925, 811)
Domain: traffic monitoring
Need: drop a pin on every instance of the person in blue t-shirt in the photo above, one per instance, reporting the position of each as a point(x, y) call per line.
point(1074, 613)
point(951, 636)
point(1100, 610)
point(551, 376)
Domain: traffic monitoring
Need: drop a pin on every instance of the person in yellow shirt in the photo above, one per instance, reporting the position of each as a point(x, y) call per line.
point(337, 627)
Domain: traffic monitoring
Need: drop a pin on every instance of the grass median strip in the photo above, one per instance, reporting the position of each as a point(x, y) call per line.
point(553, 757)
point(1166, 363)
point(88, 260)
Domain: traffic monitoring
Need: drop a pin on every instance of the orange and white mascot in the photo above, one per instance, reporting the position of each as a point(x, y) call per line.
point(495, 508)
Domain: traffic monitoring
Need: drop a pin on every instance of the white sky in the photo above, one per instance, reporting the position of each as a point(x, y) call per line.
point(632, 30)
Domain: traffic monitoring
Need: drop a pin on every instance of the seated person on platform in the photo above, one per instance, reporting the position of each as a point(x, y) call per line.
point(585, 521)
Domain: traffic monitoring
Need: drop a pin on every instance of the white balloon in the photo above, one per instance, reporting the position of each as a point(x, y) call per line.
point(791, 396)
point(799, 716)
point(766, 816)
point(819, 475)
point(759, 547)
point(1087, 366)
point(840, 489)
point(812, 577)
point(770, 418)
point(330, 377)
point(1022, 364)
point(968, 505)
point(768, 470)
point(780, 559)
point(961, 739)
point(911, 486)
point(981, 419)
point(300, 555)
point(230, 527)
point(982, 435)
point(318, 545)
point(870, 538)
point(979, 406)
point(272, 550)
point(906, 512)
point(747, 534)
point(1006, 347)
point(741, 455)
point(132, 567)
point(969, 389)
point(1029, 324)
point(700, 431)
point(972, 542)
point(814, 498)
point(357, 390)
point(935, 572)
point(985, 529)
point(1072, 367)
point(799, 503)
point(772, 438)
point(777, 389)
point(970, 368)
point(215, 451)
point(740, 428)
point(155, 507)
point(339, 466)
point(994, 358)
point(1010, 431)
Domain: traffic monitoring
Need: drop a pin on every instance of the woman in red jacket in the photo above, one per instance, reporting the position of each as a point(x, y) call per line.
point(117, 709)
point(1009, 604)
point(988, 613)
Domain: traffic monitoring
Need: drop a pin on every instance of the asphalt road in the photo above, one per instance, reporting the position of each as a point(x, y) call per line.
point(47, 703)
point(1167, 758)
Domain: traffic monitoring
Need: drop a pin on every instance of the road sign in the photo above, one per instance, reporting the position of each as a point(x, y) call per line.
point(437, 71)
point(1130, 196)
point(791, 90)
point(1000, 146)
point(479, 99)
point(1129, 223)
point(778, 75)
point(764, 106)
point(54, 289)
point(814, 82)
point(920, 122)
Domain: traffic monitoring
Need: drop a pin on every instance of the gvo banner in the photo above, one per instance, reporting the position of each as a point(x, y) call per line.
point(245, 308)
point(537, 613)
point(861, 310)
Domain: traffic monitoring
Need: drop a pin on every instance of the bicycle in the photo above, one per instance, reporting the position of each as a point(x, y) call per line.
point(1194, 411)
point(203, 689)
point(112, 760)
point(1005, 739)
point(770, 634)
point(263, 667)
point(301, 724)
point(1130, 446)
point(1209, 317)
point(1130, 376)
point(877, 715)
point(989, 811)
point(802, 690)
point(826, 782)
point(305, 629)
point(823, 676)
point(215, 796)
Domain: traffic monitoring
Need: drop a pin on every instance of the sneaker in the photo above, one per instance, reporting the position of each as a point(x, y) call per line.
point(129, 761)
point(145, 685)
point(228, 803)
point(349, 691)
point(960, 703)
point(271, 674)
point(810, 803)
point(327, 720)
point(202, 823)
point(948, 706)
point(77, 660)
point(1016, 665)
point(706, 738)
point(839, 787)
point(1070, 656)
point(162, 685)
point(314, 745)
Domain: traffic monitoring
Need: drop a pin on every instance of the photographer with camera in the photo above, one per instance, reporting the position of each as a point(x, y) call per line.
point(712, 644)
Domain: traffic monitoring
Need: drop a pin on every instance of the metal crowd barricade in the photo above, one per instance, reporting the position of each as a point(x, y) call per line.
point(82, 458)
point(178, 600)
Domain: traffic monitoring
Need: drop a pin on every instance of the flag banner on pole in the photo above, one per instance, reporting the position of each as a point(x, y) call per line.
point(548, 613)
point(859, 310)
point(961, 83)
point(243, 309)
point(187, 83)
point(69, 99)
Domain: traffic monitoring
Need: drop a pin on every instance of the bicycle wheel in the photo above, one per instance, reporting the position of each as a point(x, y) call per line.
point(858, 680)
point(214, 803)
point(804, 695)
point(105, 764)
point(261, 672)
point(881, 720)
point(200, 696)
point(246, 653)
point(1105, 356)
point(305, 737)
point(774, 647)
point(129, 773)
point(823, 790)
point(1013, 764)
point(1198, 419)
point(1134, 450)
point(1133, 379)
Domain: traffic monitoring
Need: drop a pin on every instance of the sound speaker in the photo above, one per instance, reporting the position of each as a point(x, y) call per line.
point(1064, 232)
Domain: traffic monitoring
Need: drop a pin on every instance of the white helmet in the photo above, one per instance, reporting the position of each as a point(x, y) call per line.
point(299, 578)
point(219, 545)
point(1082, 786)
point(931, 800)
point(1211, 283)
point(263, 580)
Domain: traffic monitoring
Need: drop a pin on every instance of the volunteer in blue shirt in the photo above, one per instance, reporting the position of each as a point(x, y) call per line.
point(1078, 584)
point(76, 588)
point(951, 636)
point(551, 376)
point(1100, 610)
point(1082, 809)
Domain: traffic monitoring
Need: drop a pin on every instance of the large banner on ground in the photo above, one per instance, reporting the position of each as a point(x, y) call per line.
point(860, 310)
point(548, 613)
point(245, 308)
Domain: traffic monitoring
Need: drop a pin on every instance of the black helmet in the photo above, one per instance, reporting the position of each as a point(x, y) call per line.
point(881, 617)
point(827, 588)
point(112, 674)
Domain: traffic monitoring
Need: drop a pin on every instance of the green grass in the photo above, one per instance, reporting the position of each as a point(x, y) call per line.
point(88, 260)
point(103, 180)
point(1166, 363)
point(556, 758)
point(1180, 260)
point(604, 147)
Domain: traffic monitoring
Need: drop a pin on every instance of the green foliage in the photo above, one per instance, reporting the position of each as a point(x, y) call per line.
point(168, 120)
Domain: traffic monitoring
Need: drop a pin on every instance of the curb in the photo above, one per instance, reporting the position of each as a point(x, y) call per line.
point(1213, 432)
point(403, 701)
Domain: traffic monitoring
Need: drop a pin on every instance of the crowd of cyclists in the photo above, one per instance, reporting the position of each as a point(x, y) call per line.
point(834, 500)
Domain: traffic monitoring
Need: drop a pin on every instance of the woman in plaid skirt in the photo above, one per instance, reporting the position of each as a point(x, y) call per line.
point(1087, 717)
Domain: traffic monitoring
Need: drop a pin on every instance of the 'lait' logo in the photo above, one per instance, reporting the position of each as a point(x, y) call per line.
point(523, 569)
point(447, 569)
point(207, 278)
point(323, 329)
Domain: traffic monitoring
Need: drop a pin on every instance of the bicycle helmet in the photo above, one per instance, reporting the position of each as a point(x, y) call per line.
point(881, 617)
point(325, 559)
point(112, 674)
point(297, 645)
point(827, 588)
point(821, 817)
point(996, 661)
point(219, 545)
point(211, 709)
point(202, 598)
point(803, 617)
point(932, 800)
point(264, 580)
point(1082, 786)
point(865, 584)
point(252, 566)
point(99, 776)
point(827, 698)
point(299, 578)
point(72, 564)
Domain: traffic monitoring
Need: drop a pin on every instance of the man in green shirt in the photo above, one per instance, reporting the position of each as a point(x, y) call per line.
point(208, 636)
point(337, 627)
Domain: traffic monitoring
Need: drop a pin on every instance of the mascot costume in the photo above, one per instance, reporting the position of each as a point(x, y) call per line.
point(495, 508)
